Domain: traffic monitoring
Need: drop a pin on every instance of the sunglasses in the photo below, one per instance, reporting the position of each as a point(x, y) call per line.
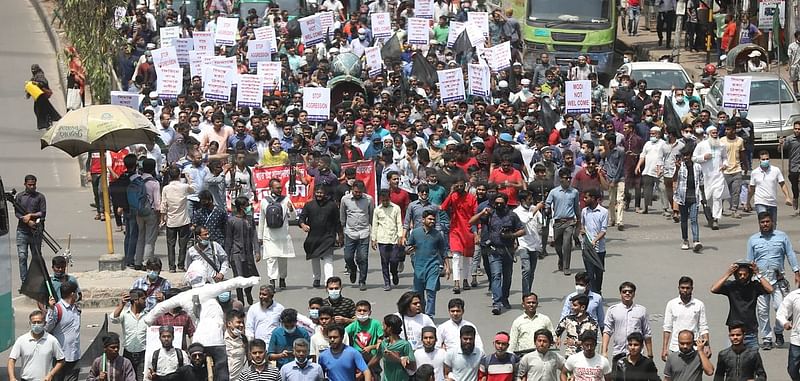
point(627, 291)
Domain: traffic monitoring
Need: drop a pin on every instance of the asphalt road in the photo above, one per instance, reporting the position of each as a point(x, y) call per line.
point(647, 253)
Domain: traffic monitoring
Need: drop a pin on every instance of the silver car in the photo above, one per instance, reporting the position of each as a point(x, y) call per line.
point(772, 111)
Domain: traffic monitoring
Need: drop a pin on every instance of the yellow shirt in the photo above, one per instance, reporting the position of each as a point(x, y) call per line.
point(734, 149)
point(270, 160)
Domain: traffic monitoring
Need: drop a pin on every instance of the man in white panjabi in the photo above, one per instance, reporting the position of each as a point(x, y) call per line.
point(713, 160)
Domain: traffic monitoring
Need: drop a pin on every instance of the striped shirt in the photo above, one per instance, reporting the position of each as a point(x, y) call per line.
point(495, 369)
point(251, 373)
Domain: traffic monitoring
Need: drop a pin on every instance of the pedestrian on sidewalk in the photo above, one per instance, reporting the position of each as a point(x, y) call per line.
point(665, 21)
point(634, 9)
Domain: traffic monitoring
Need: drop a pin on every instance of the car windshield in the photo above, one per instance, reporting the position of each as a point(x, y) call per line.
point(567, 11)
point(766, 92)
point(661, 79)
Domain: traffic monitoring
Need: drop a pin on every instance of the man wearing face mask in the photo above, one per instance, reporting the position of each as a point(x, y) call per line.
point(235, 342)
point(595, 306)
point(262, 318)
point(280, 343)
point(37, 353)
point(651, 165)
point(343, 307)
point(713, 159)
point(694, 112)
point(320, 219)
point(301, 369)
point(129, 313)
point(764, 184)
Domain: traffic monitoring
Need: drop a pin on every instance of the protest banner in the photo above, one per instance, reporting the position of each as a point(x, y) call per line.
point(267, 33)
point(271, 74)
point(326, 21)
point(302, 194)
point(381, 25)
point(481, 20)
point(203, 41)
point(170, 82)
point(451, 85)
point(475, 35)
point(168, 35)
point(217, 83)
point(258, 51)
point(500, 57)
point(455, 30)
point(736, 92)
point(317, 102)
point(374, 60)
point(196, 61)
point(479, 80)
point(226, 31)
point(165, 57)
point(124, 98)
point(418, 31)
point(578, 96)
point(767, 9)
point(423, 9)
point(365, 171)
point(311, 28)
point(250, 92)
point(182, 48)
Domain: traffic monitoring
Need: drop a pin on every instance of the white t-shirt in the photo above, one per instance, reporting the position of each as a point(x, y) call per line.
point(766, 183)
point(35, 357)
point(583, 369)
point(434, 359)
point(654, 154)
point(412, 327)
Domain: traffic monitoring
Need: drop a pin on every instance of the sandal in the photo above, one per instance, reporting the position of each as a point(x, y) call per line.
point(97, 217)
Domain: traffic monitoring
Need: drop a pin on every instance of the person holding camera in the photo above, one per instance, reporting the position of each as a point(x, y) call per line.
point(504, 228)
point(742, 293)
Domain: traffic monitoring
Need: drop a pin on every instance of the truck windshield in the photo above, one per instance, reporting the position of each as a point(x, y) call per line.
point(569, 11)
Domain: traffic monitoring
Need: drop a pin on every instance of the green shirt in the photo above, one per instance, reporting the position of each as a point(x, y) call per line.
point(394, 371)
point(364, 335)
point(440, 33)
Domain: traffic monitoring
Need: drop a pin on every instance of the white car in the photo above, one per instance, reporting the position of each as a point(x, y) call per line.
point(662, 76)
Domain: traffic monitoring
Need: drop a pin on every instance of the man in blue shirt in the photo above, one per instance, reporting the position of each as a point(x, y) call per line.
point(341, 362)
point(769, 249)
point(282, 340)
point(564, 206)
point(428, 246)
point(301, 369)
point(594, 223)
point(595, 307)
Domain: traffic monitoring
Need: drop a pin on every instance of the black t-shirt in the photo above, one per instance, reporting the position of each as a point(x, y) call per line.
point(742, 302)
point(496, 224)
point(447, 178)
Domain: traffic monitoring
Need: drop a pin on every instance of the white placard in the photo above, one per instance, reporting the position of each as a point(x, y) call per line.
point(326, 21)
point(476, 37)
point(374, 60)
point(153, 342)
point(226, 31)
point(578, 96)
point(182, 48)
point(499, 56)
point(736, 92)
point(311, 28)
point(170, 82)
point(223, 62)
point(165, 57)
point(267, 33)
point(317, 102)
point(270, 72)
point(217, 84)
point(381, 25)
point(451, 85)
point(418, 31)
point(423, 9)
point(124, 98)
point(168, 35)
point(203, 41)
point(455, 30)
point(196, 62)
point(481, 20)
point(250, 92)
point(479, 84)
point(258, 51)
point(766, 10)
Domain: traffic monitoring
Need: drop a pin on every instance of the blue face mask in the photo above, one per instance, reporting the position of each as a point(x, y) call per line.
point(153, 275)
point(204, 242)
point(621, 110)
point(224, 297)
point(764, 164)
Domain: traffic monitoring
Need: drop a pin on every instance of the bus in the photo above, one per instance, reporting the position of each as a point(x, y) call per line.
point(6, 308)
point(566, 29)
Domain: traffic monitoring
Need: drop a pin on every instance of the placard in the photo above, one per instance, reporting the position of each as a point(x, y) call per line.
point(766, 10)
point(124, 98)
point(317, 102)
point(326, 21)
point(479, 80)
point(203, 41)
point(381, 25)
point(168, 35)
point(165, 57)
point(267, 33)
point(223, 62)
point(250, 92)
point(182, 48)
point(226, 31)
point(258, 51)
point(196, 62)
point(481, 20)
point(374, 60)
point(423, 9)
point(475, 34)
point(736, 92)
point(170, 82)
point(311, 28)
point(217, 83)
point(455, 30)
point(418, 31)
point(578, 96)
point(270, 72)
point(451, 85)
point(499, 56)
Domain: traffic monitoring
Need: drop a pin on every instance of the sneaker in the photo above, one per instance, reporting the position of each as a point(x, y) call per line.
point(387, 287)
point(282, 283)
point(507, 305)
point(181, 269)
point(496, 310)
point(401, 266)
point(697, 246)
point(779, 340)
point(172, 270)
point(685, 245)
point(395, 279)
point(362, 287)
point(715, 225)
point(474, 282)
point(466, 284)
point(353, 275)
point(456, 290)
point(567, 272)
point(316, 284)
point(621, 227)
point(766, 345)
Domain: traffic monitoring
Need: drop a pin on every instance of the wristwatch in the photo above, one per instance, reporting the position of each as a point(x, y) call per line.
point(758, 277)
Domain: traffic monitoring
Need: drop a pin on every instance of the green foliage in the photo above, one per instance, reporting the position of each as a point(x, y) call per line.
point(89, 27)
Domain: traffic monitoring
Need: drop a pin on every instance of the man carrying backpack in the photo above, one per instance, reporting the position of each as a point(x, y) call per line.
point(167, 362)
point(144, 199)
point(273, 233)
point(63, 321)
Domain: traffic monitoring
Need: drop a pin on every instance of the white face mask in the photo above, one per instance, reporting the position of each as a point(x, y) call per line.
point(334, 294)
point(580, 289)
point(362, 318)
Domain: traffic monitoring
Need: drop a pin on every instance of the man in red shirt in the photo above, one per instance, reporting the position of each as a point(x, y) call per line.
point(398, 196)
point(508, 180)
point(589, 177)
point(460, 206)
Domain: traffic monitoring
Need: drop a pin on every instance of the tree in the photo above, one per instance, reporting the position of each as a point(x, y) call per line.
point(89, 27)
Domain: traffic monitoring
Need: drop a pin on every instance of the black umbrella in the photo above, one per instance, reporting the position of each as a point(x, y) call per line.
point(590, 254)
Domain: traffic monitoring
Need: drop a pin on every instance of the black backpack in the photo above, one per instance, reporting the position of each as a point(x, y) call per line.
point(273, 214)
point(154, 363)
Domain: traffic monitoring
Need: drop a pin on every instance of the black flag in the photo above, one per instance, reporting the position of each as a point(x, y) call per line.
point(95, 349)
point(391, 50)
point(547, 117)
point(423, 70)
point(462, 44)
point(671, 119)
point(37, 285)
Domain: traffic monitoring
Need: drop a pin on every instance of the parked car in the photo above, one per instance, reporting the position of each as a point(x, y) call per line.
point(662, 76)
point(773, 106)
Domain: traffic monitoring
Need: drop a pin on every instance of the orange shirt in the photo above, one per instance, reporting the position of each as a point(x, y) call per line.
point(499, 177)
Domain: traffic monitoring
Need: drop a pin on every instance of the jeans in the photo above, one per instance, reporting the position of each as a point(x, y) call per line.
point(137, 360)
point(665, 22)
point(131, 238)
point(616, 202)
point(689, 214)
point(794, 362)
point(180, 234)
point(595, 273)
point(326, 262)
point(146, 240)
point(633, 182)
point(528, 260)
point(356, 256)
point(562, 235)
point(390, 254)
point(501, 263)
point(773, 211)
point(633, 19)
point(763, 305)
point(220, 357)
point(26, 240)
point(750, 340)
point(734, 183)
